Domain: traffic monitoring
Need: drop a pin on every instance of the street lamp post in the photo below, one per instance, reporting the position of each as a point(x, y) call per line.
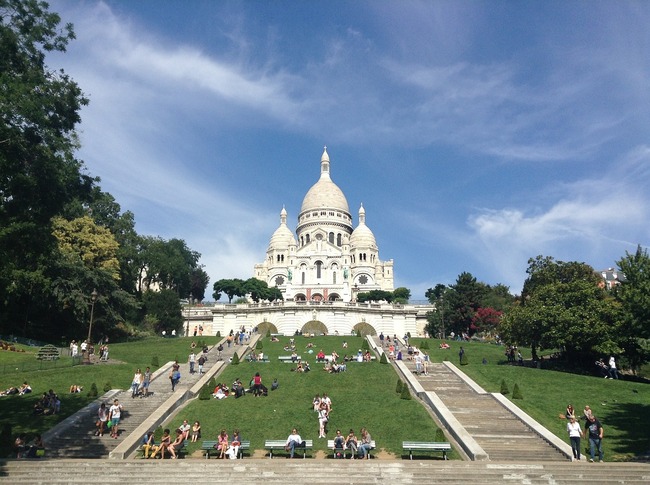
point(442, 315)
point(93, 299)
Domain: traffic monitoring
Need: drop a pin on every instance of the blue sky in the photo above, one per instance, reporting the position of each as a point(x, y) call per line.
point(476, 134)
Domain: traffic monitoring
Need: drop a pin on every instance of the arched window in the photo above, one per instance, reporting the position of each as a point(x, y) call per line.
point(331, 237)
point(338, 239)
point(307, 238)
point(334, 277)
point(318, 269)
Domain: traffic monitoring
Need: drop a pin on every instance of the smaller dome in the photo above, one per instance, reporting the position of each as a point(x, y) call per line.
point(362, 236)
point(282, 238)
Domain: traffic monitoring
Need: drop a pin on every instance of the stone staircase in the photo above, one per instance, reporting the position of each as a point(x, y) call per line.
point(500, 433)
point(74, 437)
point(317, 472)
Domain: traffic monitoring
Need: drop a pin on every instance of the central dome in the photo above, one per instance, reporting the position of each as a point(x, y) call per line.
point(325, 193)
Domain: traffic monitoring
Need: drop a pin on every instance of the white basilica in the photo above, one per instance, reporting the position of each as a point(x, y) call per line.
point(319, 270)
point(328, 259)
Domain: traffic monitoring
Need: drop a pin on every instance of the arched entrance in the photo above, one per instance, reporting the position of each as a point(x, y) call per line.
point(364, 329)
point(265, 328)
point(314, 327)
point(334, 297)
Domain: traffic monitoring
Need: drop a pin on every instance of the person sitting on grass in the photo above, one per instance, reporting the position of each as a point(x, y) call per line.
point(320, 356)
point(164, 443)
point(74, 388)
point(24, 389)
point(196, 431)
point(185, 429)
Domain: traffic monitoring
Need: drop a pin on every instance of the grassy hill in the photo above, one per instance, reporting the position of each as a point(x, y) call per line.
point(363, 396)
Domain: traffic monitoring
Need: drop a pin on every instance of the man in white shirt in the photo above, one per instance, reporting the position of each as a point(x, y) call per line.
point(114, 413)
point(294, 441)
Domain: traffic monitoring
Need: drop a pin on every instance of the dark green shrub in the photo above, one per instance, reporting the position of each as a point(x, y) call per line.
point(504, 387)
point(440, 436)
point(107, 387)
point(93, 390)
point(205, 394)
point(516, 393)
point(400, 384)
point(235, 359)
point(364, 345)
point(268, 333)
point(154, 361)
point(259, 345)
point(406, 394)
point(219, 333)
point(383, 359)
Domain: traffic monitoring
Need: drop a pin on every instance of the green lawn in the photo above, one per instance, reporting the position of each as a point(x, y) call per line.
point(623, 407)
point(364, 395)
point(17, 367)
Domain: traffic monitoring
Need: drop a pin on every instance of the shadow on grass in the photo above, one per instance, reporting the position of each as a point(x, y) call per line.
point(633, 421)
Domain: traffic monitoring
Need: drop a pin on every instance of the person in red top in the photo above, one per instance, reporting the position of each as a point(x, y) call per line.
point(257, 384)
point(320, 356)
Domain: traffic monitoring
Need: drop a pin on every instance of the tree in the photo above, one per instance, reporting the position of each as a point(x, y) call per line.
point(401, 295)
point(92, 245)
point(168, 264)
point(634, 296)
point(486, 319)
point(232, 288)
point(164, 309)
point(199, 282)
point(375, 295)
point(464, 299)
point(39, 174)
point(564, 308)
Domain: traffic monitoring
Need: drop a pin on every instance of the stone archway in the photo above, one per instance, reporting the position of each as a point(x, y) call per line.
point(333, 297)
point(364, 329)
point(265, 327)
point(314, 327)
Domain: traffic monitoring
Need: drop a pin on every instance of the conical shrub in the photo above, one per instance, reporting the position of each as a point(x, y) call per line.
point(504, 387)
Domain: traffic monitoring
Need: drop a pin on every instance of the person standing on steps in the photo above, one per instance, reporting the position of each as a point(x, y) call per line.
point(114, 413)
point(175, 375)
point(146, 380)
point(575, 432)
point(595, 430)
point(201, 363)
point(192, 361)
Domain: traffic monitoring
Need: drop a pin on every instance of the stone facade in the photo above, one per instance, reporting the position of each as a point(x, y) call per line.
point(328, 259)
